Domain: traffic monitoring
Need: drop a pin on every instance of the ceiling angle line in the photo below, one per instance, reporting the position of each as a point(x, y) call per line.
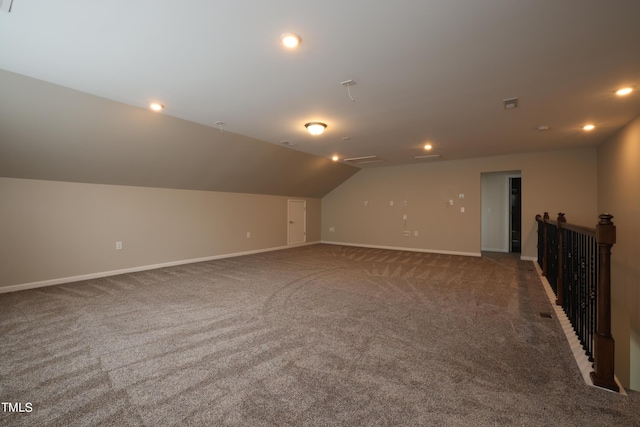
point(348, 84)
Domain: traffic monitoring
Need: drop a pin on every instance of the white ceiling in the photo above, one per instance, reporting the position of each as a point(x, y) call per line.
point(425, 70)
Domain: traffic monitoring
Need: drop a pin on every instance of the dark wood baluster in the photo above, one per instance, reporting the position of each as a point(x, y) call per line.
point(559, 282)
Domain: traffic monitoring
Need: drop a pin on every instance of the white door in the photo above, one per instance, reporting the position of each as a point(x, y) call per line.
point(297, 226)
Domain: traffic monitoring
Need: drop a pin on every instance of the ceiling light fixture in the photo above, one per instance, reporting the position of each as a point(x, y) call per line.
point(290, 40)
point(335, 158)
point(428, 147)
point(624, 91)
point(588, 127)
point(315, 128)
point(155, 106)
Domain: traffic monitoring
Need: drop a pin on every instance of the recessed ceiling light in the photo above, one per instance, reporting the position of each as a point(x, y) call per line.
point(335, 158)
point(624, 91)
point(155, 106)
point(588, 127)
point(428, 147)
point(315, 128)
point(290, 40)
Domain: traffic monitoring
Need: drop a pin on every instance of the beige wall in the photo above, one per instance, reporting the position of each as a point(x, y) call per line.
point(618, 194)
point(55, 230)
point(552, 181)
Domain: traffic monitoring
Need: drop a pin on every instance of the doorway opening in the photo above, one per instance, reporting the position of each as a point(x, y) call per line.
point(501, 211)
point(515, 214)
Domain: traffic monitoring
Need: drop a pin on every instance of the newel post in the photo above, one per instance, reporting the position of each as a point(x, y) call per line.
point(546, 244)
point(603, 343)
point(559, 285)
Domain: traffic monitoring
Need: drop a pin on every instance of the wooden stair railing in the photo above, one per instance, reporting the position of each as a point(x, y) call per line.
point(577, 263)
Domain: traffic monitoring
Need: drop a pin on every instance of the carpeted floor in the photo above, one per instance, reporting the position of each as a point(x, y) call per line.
point(318, 335)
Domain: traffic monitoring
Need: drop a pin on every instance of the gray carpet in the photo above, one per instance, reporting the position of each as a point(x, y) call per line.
point(320, 335)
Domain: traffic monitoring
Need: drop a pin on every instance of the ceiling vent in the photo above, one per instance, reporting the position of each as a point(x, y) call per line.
point(363, 160)
point(428, 157)
point(510, 103)
point(289, 143)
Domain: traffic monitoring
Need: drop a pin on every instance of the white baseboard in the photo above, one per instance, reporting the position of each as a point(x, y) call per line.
point(529, 258)
point(501, 250)
point(399, 248)
point(59, 281)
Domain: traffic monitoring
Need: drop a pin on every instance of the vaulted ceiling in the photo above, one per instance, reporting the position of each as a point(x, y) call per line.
point(432, 71)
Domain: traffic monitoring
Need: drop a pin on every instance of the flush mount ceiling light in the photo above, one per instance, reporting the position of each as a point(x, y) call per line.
point(290, 40)
point(335, 158)
point(588, 127)
point(315, 128)
point(428, 147)
point(155, 106)
point(624, 91)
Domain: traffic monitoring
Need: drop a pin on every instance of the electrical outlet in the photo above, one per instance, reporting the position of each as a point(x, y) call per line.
point(415, 233)
point(404, 217)
point(390, 202)
point(451, 202)
point(248, 234)
point(462, 210)
point(118, 246)
point(332, 229)
point(366, 203)
point(460, 196)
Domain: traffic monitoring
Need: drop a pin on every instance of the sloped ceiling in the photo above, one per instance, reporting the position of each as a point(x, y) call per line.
point(54, 133)
point(432, 71)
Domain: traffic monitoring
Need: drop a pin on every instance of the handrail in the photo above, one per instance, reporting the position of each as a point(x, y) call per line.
point(577, 263)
